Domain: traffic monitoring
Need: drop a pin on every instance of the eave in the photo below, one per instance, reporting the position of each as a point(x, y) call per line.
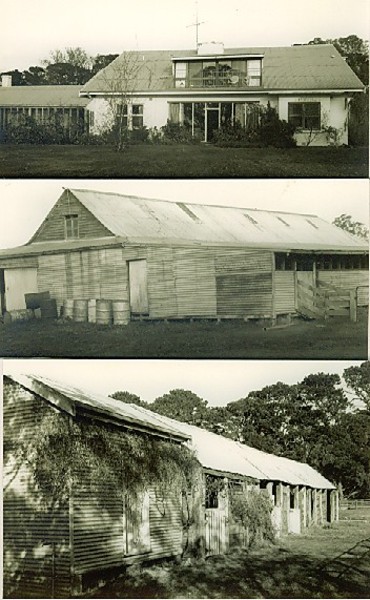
point(222, 92)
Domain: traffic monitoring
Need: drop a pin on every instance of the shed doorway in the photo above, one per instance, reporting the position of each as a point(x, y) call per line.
point(17, 283)
point(138, 287)
point(216, 512)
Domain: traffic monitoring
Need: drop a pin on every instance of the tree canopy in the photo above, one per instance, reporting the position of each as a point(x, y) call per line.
point(356, 228)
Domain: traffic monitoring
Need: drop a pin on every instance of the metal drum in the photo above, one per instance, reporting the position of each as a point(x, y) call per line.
point(80, 311)
point(121, 312)
point(104, 312)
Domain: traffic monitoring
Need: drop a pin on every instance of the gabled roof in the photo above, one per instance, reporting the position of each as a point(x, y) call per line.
point(134, 219)
point(59, 96)
point(214, 452)
point(77, 402)
point(306, 67)
point(221, 454)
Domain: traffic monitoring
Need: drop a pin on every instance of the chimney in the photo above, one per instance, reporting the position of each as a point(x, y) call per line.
point(210, 48)
point(6, 81)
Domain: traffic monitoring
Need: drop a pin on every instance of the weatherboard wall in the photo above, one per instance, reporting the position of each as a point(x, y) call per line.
point(36, 542)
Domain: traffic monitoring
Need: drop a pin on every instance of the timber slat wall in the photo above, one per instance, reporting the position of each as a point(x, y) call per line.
point(53, 226)
point(36, 543)
point(348, 280)
point(284, 292)
point(165, 518)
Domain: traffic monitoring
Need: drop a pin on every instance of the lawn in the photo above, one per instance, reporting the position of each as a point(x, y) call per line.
point(194, 160)
point(335, 338)
point(295, 567)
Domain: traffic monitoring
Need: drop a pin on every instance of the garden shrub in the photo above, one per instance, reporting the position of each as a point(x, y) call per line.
point(29, 131)
point(176, 134)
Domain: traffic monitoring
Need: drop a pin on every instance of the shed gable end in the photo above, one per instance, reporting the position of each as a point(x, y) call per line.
point(69, 219)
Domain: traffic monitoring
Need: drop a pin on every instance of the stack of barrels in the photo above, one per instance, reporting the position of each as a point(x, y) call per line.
point(102, 312)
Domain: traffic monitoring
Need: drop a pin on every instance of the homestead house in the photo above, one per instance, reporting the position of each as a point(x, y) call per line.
point(310, 86)
point(45, 104)
point(165, 259)
point(93, 529)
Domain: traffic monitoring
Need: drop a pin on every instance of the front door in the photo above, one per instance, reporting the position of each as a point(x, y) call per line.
point(138, 287)
point(19, 282)
point(212, 119)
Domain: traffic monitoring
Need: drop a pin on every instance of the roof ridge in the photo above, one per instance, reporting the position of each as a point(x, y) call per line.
point(133, 196)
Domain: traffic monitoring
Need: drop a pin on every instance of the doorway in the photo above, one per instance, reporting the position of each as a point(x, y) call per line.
point(138, 287)
point(17, 283)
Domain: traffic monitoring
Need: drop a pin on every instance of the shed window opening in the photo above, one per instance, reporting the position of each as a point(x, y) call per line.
point(213, 487)
point(71, 226)
point(305, 115)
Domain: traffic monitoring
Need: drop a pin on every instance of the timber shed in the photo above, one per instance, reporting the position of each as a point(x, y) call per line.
point(167, 259)
point(59, 548)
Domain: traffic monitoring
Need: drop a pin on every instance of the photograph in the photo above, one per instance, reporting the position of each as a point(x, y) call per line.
point(244, 269)
point(185, 89)
point(186, 479)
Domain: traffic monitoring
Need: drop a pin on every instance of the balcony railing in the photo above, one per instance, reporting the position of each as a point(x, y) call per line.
point(230, 80)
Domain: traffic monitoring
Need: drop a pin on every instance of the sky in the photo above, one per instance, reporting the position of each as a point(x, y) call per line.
point(25, 203)
point(218, 382)
point(36, 27)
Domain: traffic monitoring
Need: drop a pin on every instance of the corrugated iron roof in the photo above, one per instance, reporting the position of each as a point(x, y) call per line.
point(218, 453)
point(74, 400)
point(306, 67)
point(60, 96)
point(140, 218)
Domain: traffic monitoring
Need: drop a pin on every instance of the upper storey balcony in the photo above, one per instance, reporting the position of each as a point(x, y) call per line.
point(218, 70)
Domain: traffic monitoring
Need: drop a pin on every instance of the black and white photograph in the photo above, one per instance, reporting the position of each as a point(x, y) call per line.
point(177, 479)
point(184, 299)
point(134, 269)
point(185, 89)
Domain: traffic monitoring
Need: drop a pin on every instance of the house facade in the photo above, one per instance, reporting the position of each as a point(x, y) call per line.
point(310, 86)
point(166, 259)
point(60, 548)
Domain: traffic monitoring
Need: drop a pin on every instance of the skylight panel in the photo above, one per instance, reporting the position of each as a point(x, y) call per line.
point(250, 219)
point(282, 221)
point(312, 224)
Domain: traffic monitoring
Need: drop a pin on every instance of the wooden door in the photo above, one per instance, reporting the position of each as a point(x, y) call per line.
point(19, 282)
point(216, 531)
point(138, 287)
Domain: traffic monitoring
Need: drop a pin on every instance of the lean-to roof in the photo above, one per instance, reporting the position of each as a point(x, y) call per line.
point(56, 96)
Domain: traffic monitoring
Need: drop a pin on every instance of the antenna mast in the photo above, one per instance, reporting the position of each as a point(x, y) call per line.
point(196, 25)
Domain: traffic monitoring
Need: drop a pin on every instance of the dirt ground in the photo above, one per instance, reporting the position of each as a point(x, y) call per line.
point(335, 338)
point(295, 567)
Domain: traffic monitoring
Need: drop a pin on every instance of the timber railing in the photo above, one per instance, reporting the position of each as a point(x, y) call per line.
point(324, 301)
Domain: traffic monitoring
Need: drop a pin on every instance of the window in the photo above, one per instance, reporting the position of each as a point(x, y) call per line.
point(253, 72)
point(71, 226)
point(284, 262)
point(137, 116)
point(304, 115)
point(132, 115)
point(180, 74)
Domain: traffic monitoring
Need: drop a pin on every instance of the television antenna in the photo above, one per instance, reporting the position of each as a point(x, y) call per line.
point(196, 25)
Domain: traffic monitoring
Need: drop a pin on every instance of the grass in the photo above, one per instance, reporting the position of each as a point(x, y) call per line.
point(192, 160)
point(296, 567)
point(335, 338)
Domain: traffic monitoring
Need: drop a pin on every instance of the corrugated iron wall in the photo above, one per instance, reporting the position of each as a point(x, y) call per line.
point(36, 541)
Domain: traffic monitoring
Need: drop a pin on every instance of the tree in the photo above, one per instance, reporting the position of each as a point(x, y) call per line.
point(101, 61)
point(356, 228)
point(358, 380)
point(182, 405)
point(129, 398)
point(77, 57)
point(34, 76)
point(68, 66)
point(119, 80)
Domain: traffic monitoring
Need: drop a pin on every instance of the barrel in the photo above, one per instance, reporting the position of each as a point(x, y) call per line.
point(91, 310)
point(68, 308)
point(104, 312)
point(80, 311)
point(23, 314)
point(34, 299)
point(121, 312)
point(49, 309)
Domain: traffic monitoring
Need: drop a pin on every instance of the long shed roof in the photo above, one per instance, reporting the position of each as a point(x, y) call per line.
point(218, 453)
point(56, 96)
point(306, 67)
point(141, 219)
point(75, 401)
point(214, 452)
